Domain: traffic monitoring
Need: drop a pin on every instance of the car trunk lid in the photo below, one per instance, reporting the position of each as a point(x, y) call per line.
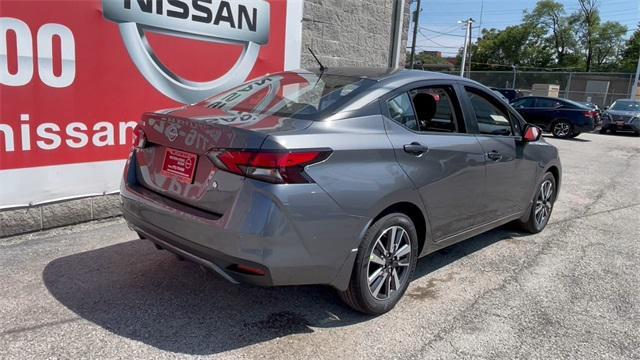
point(174, 161)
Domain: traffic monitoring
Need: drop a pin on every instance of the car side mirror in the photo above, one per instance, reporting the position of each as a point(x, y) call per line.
point(531, 133)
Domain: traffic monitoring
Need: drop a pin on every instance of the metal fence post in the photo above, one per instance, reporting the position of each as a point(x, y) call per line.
point(567, 90)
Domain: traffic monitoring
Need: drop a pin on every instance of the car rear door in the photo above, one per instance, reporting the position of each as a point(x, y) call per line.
point(510, 175)
point(445, 163)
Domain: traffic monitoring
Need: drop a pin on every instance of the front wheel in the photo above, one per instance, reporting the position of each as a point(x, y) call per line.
point(542, 205)
point(384, 265)
point(562, 129)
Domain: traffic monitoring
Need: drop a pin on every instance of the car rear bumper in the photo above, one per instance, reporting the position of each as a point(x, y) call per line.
point(624, 127)
point(585, 127)
point(293, 234)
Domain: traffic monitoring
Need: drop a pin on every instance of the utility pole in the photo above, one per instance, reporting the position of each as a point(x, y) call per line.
point(634, 88)
point(416, 20)
point(469, 49)
point(467, 42)
point(513, 83)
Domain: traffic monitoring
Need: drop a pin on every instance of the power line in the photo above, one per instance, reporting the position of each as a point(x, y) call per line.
point(440, 32)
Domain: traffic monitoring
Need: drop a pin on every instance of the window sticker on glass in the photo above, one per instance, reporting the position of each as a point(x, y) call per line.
point(499, 118)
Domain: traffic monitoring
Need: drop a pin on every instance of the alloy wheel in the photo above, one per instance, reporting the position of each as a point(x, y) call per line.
point(544, 202)
point(389, 260)
point(561, 129)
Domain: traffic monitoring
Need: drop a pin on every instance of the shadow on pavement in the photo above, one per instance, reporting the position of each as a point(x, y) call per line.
point(137, 292)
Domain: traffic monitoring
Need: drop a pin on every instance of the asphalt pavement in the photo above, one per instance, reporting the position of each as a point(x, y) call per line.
point(573, 291)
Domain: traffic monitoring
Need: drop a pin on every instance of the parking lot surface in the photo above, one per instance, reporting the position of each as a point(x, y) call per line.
point(572, 291)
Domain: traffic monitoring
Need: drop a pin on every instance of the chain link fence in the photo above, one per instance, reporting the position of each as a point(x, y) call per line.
point(599, 88)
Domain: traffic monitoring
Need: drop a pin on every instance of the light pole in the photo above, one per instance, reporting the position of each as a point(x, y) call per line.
point(513, 83)
point(467, 43)
point(634, 88)
point(416, 19)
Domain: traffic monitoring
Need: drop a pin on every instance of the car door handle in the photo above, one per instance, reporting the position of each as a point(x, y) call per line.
point(415, 148)
point(494, 155)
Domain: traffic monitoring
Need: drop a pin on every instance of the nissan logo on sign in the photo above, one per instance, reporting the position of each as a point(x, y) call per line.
point(242, 22)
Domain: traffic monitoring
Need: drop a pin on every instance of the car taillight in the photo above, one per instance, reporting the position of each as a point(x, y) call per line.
point(139, 138)
point(280, 167)
point(590, 114)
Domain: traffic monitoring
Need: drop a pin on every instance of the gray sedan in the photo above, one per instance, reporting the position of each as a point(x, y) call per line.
point(342, 177)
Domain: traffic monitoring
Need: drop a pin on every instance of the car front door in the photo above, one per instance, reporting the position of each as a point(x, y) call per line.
point(526, 108)
point(446, 164)
point(510, 175)
point(548, 110)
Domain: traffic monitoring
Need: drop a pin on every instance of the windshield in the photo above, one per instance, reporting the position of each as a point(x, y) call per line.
point(291, 94)
point(626, 105)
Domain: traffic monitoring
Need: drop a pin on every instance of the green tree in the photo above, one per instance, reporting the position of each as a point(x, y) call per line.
point(587, 21)
point(550, 15)
point(608, 44)
point(515, 45)
point(631, 52)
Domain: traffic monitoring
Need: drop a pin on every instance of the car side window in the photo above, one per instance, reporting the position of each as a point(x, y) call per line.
point(435, 109)
point(401, 111)
point(547, 103)
point(491, 118)
point(524, 103)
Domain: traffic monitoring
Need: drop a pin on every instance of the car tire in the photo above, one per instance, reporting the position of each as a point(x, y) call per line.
point(389, 281)
point(603, 131)
point(542, 205)
point(562, 129)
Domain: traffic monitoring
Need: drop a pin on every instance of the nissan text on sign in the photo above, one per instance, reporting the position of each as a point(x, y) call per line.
point(76, 76)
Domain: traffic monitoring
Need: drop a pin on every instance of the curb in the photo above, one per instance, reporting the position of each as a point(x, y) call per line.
point(48, 216)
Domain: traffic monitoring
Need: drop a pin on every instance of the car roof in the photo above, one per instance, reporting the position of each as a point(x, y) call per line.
point(541, 97)
point(380, 74)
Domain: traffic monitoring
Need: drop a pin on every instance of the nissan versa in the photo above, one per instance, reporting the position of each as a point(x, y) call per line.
point(342, 177)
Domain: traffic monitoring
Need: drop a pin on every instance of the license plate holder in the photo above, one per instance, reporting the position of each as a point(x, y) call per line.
point(180, 165)
point(619, 123)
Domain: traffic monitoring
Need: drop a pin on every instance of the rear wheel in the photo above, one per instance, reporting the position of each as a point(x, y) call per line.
point(384, 265)
point(603, 131)
point(542, 205)
point(562, 129)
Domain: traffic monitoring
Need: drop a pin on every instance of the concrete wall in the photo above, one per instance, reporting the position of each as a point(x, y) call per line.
point(47, 216)
point(341, 32)
point(350, 32)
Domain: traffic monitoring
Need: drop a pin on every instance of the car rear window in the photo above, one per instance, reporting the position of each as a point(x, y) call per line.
point(291, 94)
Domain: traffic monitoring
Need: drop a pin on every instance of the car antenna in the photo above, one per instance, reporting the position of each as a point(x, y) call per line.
point(322, 67)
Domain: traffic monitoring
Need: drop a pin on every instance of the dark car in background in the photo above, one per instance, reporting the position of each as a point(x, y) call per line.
point(510, 94)
point(595, 108)
point(561, 117)
point(623, 116)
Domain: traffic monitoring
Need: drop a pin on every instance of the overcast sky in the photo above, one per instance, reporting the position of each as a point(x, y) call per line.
point(441, 16)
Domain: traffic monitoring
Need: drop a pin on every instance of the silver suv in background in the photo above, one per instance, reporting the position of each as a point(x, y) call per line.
point(622, 116)
point(342, 177)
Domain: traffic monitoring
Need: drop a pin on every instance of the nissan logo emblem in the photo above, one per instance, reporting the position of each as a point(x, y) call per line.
point(172, 132)
point(243, 22)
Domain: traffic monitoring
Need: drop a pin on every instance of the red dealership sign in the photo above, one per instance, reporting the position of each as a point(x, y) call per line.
point(76, 76)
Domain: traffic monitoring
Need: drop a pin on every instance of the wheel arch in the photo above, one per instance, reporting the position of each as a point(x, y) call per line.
point(554, 169)
point(414, 213)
